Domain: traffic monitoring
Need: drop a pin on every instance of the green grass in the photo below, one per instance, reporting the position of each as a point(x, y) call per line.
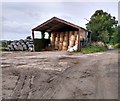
point(93, 49)
point(118, 50)
point(2, 49)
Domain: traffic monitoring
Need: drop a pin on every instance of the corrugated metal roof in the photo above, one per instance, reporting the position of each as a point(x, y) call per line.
point(56, 24)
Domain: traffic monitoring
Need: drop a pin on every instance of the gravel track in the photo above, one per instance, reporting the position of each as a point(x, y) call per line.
point(59, 75)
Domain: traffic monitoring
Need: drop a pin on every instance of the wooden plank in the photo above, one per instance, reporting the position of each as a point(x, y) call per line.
point(79, 48)
point(68, 37)
point(33, 39)
point(33, 35)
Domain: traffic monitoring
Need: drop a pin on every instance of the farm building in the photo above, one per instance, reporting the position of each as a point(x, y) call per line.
point(62, 35)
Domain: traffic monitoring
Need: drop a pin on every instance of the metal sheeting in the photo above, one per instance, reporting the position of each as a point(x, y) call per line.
point(56, 24)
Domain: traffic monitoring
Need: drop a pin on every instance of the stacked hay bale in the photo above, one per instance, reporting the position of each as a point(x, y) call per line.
point(76, 37)
point(57, 37)
point(71, 40)
point(61, 40)
point(65, 41)
point(52, 38)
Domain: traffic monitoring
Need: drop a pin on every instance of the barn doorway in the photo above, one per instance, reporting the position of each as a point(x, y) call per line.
point(42, 41)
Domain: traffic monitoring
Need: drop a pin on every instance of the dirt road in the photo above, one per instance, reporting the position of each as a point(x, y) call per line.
point(59, 75)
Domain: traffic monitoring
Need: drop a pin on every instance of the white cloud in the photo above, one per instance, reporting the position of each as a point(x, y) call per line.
point(20, 18)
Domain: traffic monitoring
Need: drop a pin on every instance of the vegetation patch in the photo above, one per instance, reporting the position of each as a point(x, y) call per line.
point(2, 49)
point(93, 49)
point(119, 50)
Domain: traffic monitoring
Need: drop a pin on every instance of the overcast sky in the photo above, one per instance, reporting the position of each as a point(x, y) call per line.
point(19, 18)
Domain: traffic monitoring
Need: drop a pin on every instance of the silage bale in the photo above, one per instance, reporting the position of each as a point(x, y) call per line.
point(20, 47)
point(25, 47)
point(13, 43)
point(27, 42)
point(21, 40)
point(18, 43)
point(12, 48)
point(30, 49)
point(29, 45)
point(9, 47)
point(15, 47)
point(31, 42)
point(22, 43)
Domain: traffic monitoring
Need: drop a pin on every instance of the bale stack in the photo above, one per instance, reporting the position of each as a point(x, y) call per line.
point(52, 38)
point(76, 37)
point(70, 34)
point(21, 45)
point(61, 40)
point(57, 40)
point(76, 41)
point(60, 45)
point(65, 41)
point(72, 41)
point(65, 45)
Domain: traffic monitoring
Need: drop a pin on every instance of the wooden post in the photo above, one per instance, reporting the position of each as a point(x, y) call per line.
point(68, 37)
point(33, 39)
point(33, 34)
point(43, 34)
point(49, 34)
point(79, 48)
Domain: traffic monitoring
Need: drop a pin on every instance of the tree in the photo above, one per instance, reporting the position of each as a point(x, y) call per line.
point(102, 26)
point(116, 36)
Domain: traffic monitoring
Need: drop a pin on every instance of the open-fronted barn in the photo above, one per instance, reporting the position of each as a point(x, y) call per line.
point(63, 35)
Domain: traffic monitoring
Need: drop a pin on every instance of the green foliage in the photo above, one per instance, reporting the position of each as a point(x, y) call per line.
point(104, 36)
point(2, 49)
point(4, 44)
point(119, 50)
point(102, 26)
point(93, 49)
point(118, 36)
point(115, 40)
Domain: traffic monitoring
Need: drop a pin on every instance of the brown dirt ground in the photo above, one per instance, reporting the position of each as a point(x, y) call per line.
point(59, 75)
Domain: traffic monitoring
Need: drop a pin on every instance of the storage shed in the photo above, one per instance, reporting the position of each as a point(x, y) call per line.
point(63, 35)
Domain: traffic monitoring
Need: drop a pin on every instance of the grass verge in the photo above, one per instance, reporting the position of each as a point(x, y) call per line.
point(93, 49)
